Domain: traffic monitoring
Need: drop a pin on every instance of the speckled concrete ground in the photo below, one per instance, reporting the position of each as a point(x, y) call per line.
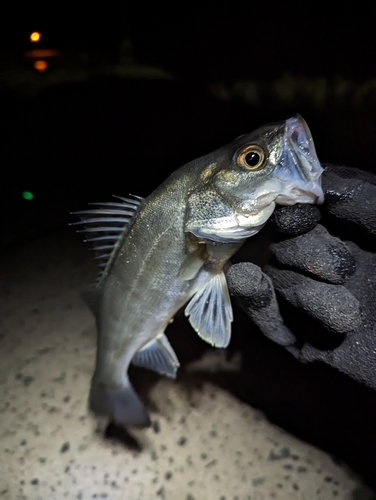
point(204, 444)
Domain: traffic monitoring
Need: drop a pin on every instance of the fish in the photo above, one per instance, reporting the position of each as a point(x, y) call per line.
point(171, 249)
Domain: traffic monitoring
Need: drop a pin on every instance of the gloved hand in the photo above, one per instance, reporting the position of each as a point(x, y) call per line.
point(326, 286)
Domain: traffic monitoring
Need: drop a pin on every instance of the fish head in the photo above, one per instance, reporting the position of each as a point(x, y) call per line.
point(275, 164)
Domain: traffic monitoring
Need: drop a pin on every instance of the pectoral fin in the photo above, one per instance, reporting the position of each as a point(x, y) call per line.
point(210, 312)
point(158, 355)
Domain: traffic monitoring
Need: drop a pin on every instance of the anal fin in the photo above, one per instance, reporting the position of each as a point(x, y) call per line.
point(210, 312)
point(159, 356)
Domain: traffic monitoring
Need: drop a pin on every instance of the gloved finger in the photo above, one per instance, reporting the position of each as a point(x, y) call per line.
point(355, 357)
point(317, 253)
point(350, 194)
point(332, 305)
point(257, 297)
point(295, 219)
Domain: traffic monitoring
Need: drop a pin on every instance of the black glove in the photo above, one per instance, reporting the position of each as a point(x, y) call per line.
point(326, 287)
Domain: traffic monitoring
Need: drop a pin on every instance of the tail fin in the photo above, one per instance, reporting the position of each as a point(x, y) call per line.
point(122, 405)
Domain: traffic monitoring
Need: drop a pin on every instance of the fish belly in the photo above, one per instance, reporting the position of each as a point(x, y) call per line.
point(140, 294)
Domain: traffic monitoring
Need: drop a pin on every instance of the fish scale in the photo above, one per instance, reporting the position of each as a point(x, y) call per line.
point(171, 248)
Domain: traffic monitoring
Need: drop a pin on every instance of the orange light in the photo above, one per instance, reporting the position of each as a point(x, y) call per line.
point(35, 36)
point(40, 66)
point(41, 53)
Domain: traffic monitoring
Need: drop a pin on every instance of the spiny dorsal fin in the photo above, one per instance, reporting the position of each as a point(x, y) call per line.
point(104, 225)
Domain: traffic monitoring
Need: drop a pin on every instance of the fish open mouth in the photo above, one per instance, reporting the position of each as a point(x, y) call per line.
point(299, 168)
point(298, 134)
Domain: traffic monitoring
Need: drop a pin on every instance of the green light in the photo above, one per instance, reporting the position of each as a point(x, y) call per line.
point(27, 195)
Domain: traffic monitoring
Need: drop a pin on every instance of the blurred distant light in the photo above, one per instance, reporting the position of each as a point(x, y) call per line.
point(35, 36)
point(40, 66)
point(27, 195)
point(41, 53)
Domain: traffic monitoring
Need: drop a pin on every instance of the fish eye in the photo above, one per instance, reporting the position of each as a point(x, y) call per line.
point(252, 157)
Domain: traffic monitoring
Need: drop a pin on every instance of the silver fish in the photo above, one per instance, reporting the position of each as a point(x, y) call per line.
point(171, 248)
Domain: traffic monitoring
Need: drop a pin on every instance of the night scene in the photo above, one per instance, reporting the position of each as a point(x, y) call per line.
point(188, 252)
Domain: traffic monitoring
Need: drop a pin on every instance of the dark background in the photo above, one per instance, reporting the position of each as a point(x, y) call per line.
point(133, 93)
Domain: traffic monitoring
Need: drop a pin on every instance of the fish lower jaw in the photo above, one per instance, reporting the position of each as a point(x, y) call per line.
point(256, 218)
point(301, 196)
point(231, 229)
